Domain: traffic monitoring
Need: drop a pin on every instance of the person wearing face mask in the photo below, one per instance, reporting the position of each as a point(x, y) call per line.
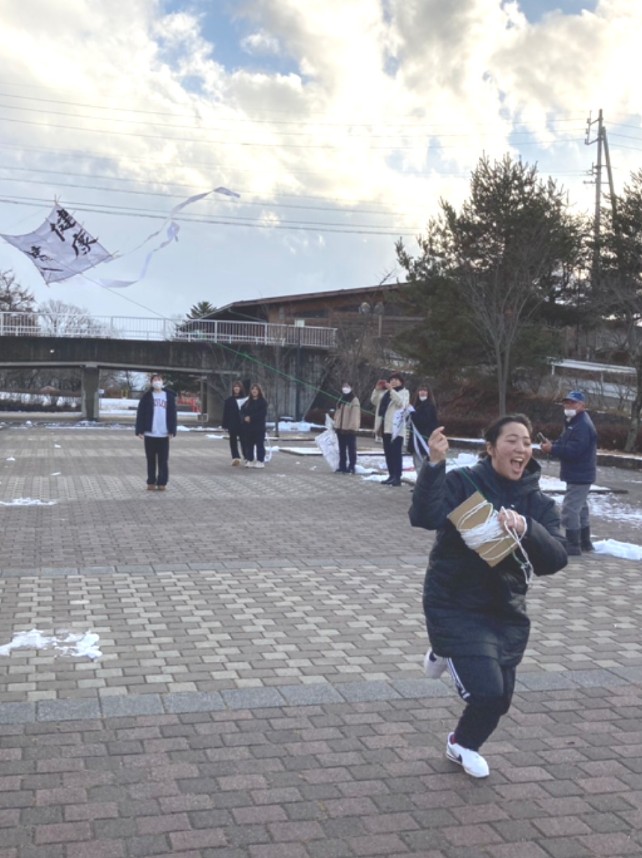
point(155, 423)
point(232, 420)
point(576, 449)
point(495, 530)
point(390, 397)
point(423, 422)
point(347, 420)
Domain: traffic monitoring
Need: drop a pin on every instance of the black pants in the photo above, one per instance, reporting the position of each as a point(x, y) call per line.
point(487, 689)
point(347, 451)
point(252, 440)
point(392, 450)
point(157, 452)
point(235, 440)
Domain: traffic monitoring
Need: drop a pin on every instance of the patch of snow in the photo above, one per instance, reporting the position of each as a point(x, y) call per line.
point(63, 643)
point(609, 508)
point(27, 502)
point(618, 549)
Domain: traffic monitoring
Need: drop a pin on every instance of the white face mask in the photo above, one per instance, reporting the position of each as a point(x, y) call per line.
point(157, 384)
point(569, 412)
point(346, 390)
point(423, 397)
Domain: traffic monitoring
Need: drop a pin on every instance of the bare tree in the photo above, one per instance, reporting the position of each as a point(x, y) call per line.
point(13, 297)
point(59, 319)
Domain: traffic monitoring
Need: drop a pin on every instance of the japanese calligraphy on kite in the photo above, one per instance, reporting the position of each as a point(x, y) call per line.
point(60, 248)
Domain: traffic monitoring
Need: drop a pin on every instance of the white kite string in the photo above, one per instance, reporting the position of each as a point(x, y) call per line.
point(491, 531)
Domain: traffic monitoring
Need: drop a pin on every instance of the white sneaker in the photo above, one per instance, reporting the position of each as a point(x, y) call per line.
point(434, 665)
point(471, 762)
point(249, 463)
point(236, 462)
point(259, 464)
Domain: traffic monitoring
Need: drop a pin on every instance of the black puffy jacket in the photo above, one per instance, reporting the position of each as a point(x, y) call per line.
point(472, 608)
point(256, 410)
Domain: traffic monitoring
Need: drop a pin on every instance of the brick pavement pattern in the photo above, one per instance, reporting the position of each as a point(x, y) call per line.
point(260, 691)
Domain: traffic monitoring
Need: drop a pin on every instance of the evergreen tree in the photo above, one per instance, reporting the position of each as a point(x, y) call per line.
point(201, 310)
point(486, 271)
point(618, 287)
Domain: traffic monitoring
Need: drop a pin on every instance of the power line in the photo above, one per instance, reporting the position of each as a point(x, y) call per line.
point(349, 123)
point(307, 226)
point(253, 143)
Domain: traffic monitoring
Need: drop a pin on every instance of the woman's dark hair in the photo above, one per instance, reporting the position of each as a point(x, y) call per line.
point(415, 398)
point(398, 376)
point(259, 388)
point(240, 385)
point(492, 433)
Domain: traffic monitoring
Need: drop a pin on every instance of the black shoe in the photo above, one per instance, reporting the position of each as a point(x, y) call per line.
point(573, 543)
point(340, 471)
point(387, 482)
point(585, 540)
point(395, 482)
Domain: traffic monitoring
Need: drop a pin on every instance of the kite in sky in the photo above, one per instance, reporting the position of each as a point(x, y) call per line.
point(61, 247)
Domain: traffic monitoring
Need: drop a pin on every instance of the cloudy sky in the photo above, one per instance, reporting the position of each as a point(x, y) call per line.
point(341, 123)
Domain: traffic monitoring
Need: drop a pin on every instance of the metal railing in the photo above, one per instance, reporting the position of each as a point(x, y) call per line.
point(155, 329)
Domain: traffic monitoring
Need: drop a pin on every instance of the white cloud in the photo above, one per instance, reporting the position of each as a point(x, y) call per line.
point(260, 43)
point(345, 109)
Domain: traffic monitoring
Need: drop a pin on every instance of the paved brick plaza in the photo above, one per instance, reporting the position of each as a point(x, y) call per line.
point(260, 693)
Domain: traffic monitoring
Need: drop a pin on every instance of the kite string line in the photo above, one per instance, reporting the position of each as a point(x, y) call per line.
point(491, 531)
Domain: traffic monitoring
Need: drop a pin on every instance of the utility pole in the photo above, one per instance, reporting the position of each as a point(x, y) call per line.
point(596, 170)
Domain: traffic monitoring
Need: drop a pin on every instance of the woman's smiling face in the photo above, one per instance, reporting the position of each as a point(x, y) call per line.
point(512, 451)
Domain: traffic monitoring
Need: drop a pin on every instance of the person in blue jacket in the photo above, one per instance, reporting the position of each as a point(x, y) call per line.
point(155, 423)
point(475, 608)
point(576, 449)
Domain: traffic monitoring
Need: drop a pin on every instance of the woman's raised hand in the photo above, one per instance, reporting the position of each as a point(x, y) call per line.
point(512, 521)
point(438, 445)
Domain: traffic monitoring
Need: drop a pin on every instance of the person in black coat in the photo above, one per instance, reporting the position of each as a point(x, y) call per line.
point(475, 609)
point(254, 414)
point(232, 419)
point(423, 423)
point(156, 421)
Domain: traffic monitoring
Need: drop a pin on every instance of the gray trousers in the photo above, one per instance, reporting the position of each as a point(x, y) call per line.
point(575, 511)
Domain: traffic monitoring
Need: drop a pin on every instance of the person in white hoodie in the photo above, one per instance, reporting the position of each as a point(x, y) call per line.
point(390, 397)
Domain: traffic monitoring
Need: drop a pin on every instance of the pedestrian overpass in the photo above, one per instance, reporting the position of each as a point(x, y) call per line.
point(292, 357)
